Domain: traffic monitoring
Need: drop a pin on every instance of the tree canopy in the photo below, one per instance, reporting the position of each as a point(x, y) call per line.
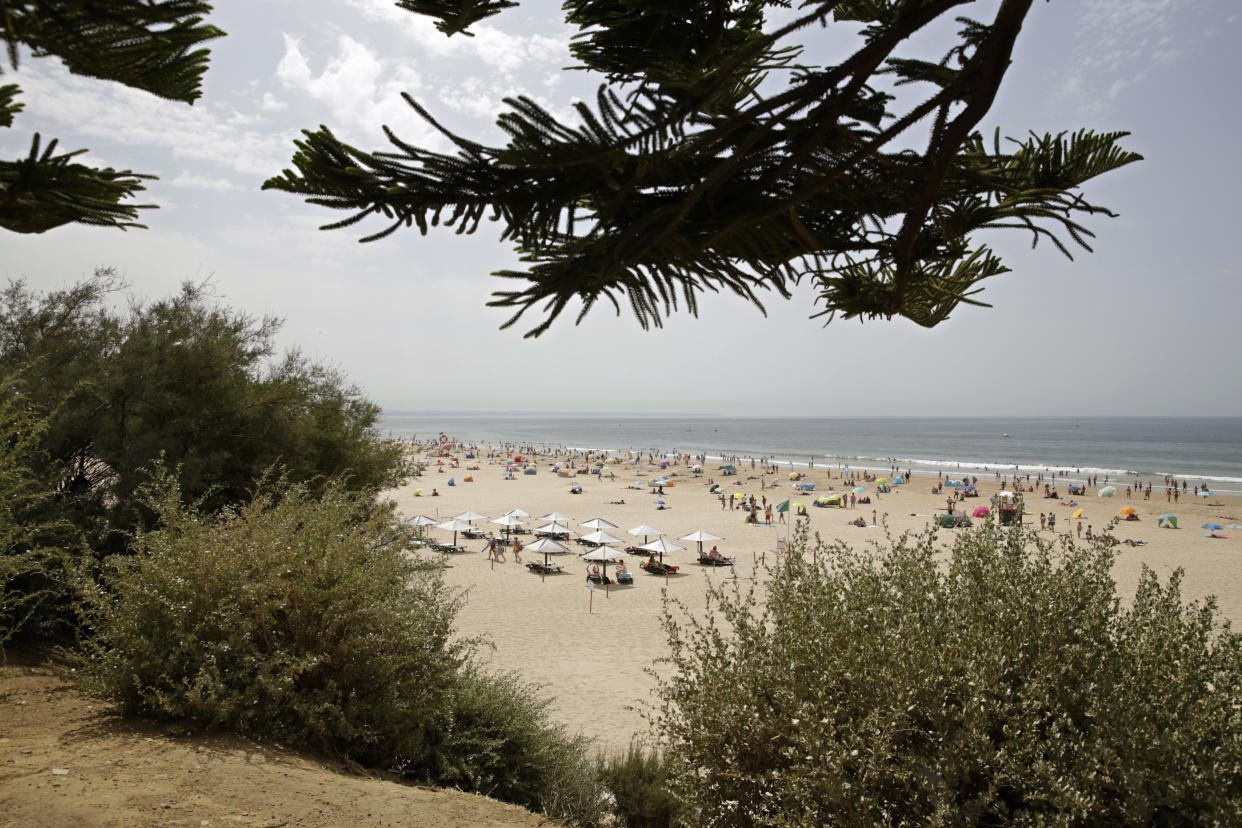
point(152, 45)
point(721, 155)
point(182, 378)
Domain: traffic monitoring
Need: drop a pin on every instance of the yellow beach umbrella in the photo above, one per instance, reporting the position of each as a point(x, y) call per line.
point(1077, 514)
point(1127, 510)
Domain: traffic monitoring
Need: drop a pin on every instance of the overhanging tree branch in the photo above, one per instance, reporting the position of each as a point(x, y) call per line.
point(730, 167)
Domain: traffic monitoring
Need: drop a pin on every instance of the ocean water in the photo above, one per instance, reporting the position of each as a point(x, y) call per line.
point(1123, 449)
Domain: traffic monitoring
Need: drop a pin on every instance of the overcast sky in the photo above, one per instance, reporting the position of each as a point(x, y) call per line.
point(1148, 324)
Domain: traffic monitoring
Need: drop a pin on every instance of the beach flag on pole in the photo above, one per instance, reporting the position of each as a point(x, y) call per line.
point(783, 506)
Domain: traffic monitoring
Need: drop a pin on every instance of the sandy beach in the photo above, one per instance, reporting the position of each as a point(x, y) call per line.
point(591, 651)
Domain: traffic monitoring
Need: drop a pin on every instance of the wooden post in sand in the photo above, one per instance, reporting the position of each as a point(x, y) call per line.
point(591, 599)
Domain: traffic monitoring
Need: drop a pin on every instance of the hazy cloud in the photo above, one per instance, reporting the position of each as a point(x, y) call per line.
point(1118, 42)
point(203, 182)
point(77, 106)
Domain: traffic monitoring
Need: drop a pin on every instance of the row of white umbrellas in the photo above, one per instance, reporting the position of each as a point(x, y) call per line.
point(556, 526)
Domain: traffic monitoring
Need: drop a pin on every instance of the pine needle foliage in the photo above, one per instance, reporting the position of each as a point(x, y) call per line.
point(152, 45)
point(720, 154)
point(1004, 684)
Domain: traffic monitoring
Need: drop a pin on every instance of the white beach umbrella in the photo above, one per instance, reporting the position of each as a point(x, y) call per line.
point(552, 529)
point(556, 517)
point(454, 526)
point(547, 546)
point(517, 513)
point(700, 536)
point(1107, 491)
point(600, 537)
point(645, 531)
point(421, 521)
point(603, 555)
point(508, 521)
point(660, 546)
point(599, 523)
point(469, 515)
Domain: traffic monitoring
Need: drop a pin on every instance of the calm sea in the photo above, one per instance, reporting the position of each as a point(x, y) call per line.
point(1197, 449)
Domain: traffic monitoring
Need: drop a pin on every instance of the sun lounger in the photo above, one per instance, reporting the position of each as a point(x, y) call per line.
point(708, 560)
point(625, 577)
point(659, 568)
point(540, 568)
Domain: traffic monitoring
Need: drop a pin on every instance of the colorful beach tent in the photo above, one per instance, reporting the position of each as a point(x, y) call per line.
point(1167, 521)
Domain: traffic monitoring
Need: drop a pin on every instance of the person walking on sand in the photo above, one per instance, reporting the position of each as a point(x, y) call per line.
point(517, 548)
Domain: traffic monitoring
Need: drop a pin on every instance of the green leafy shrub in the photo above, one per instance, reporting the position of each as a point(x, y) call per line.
point(293, 618)
point(1006, 684)
point(639, 782)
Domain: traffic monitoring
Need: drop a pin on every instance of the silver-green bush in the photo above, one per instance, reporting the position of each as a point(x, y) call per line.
point(1003, 683)
point(292, 618)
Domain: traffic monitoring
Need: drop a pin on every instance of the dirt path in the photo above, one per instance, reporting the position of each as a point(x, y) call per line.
point(67, 760)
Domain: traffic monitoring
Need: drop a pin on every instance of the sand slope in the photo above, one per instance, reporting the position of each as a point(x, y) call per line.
point(65, 760)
